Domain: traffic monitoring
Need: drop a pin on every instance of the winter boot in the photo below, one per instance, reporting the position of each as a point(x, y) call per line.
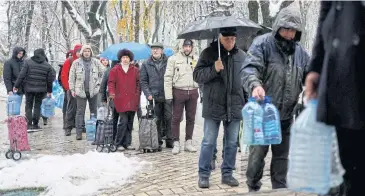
point(176, 149)
point(189, 146)
point(67, 132)
point(78, 136)
point(230, 181)
point(203, 182)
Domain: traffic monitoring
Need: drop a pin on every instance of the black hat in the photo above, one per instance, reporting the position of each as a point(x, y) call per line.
point(228, 31)
point(125, 52)
point(188, 42)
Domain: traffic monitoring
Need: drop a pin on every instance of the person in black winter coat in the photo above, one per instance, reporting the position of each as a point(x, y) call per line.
point(336, 79)
point(223, 100)
point(275, 66)
point(37, 77)
point(12, 68)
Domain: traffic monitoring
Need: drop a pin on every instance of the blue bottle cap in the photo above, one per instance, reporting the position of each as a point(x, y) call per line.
point(252, 99)
point(267, 99)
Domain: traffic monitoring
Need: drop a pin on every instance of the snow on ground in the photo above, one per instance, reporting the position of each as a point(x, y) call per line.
point(77, 174)
point(2, 90)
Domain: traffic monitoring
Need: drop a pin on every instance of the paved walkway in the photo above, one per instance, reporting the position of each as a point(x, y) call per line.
point(169, 175)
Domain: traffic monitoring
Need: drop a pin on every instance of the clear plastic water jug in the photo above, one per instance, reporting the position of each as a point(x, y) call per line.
point(13, 104)
point(311, 153)
point(48, 107)
point(271, 123)
point(252, 121)
point(59, 100)
point(91, 128)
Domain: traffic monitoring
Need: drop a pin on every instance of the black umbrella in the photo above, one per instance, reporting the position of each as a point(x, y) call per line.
point(208, 28)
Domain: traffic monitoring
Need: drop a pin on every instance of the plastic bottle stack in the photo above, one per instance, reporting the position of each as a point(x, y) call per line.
point(91, 128)
point(271, 123)
point(253, 117)
point(13, 104)
point(48, 107)
point(310, 153)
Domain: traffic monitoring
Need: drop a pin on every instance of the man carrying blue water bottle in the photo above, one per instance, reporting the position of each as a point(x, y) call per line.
point(37, 77)
point(275, 67)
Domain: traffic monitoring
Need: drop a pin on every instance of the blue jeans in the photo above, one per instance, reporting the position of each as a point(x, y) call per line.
point(211, 129)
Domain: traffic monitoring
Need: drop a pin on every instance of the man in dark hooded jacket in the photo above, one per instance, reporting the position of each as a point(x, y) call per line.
point(37, 77)
point(12, 68)
point(223, 100)
point(275, 66)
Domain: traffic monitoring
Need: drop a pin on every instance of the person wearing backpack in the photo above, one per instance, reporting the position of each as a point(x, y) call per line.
point(69, 120)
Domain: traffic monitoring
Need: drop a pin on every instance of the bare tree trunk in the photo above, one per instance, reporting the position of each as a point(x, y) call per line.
point(157, 22)
point(136, 20)
point(64, 27)
point(265, 10)
point(108, 28)
point(9, 16)
point(29, 24)
point(253, 8)
point(120, 18)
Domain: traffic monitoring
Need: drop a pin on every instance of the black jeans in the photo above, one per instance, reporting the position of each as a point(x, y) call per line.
point(279, 161)
point(64, 111)
point(71, 112)
point(163, 111)
point(33, 107)
point(349, 142)
point(124, 129)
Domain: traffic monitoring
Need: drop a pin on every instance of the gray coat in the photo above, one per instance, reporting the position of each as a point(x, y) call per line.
point(152, 78)
point(280, 74)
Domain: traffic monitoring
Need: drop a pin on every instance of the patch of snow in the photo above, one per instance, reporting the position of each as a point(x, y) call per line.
point(3, 92)
point(97, 33)
point(79, 20)
point(77, 174)
point(274, 7)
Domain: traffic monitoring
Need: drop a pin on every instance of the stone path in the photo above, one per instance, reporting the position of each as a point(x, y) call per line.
point(169, 174)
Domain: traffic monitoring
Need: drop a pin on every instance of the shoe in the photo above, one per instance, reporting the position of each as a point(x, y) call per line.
point(29, 127)
point(203, 183)
point(78, 136)
point(36, 127)
point(93, 143)
point(189, 146)
point(129, 148)
point(159, 149)
point(212, 164)
point(230, 181)
point(176, 148)
point(239, 149)
point(67, 132)
point(120, 148)
point(45, 121)
point(169, 144)
point(250, 190)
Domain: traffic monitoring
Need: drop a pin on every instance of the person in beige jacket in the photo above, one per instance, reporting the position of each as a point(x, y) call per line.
point(85, 77)
point(181, 88)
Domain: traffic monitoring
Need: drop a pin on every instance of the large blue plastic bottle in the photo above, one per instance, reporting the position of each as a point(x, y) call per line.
point(252, 121)
point(48, 107)
point(13, 104)
point(59, 100)
point(271, 122)
point(91, 128)
point(310, 153)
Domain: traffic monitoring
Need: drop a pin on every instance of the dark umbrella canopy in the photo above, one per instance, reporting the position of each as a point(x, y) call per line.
point(208, 28)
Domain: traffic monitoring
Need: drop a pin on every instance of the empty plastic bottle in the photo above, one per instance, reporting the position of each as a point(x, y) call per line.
point(91, 128)
point(13, 104)
point(48, 107)
point(252, 119)
point(271, 123)
point(311, 145)
point(102, 113)
point(59, 100)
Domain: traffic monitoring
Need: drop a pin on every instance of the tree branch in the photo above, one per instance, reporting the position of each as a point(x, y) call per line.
point(81, 24)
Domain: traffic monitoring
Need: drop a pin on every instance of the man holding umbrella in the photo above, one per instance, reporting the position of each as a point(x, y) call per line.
point(275, 66)
point(218, 69)
point(152, 83)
